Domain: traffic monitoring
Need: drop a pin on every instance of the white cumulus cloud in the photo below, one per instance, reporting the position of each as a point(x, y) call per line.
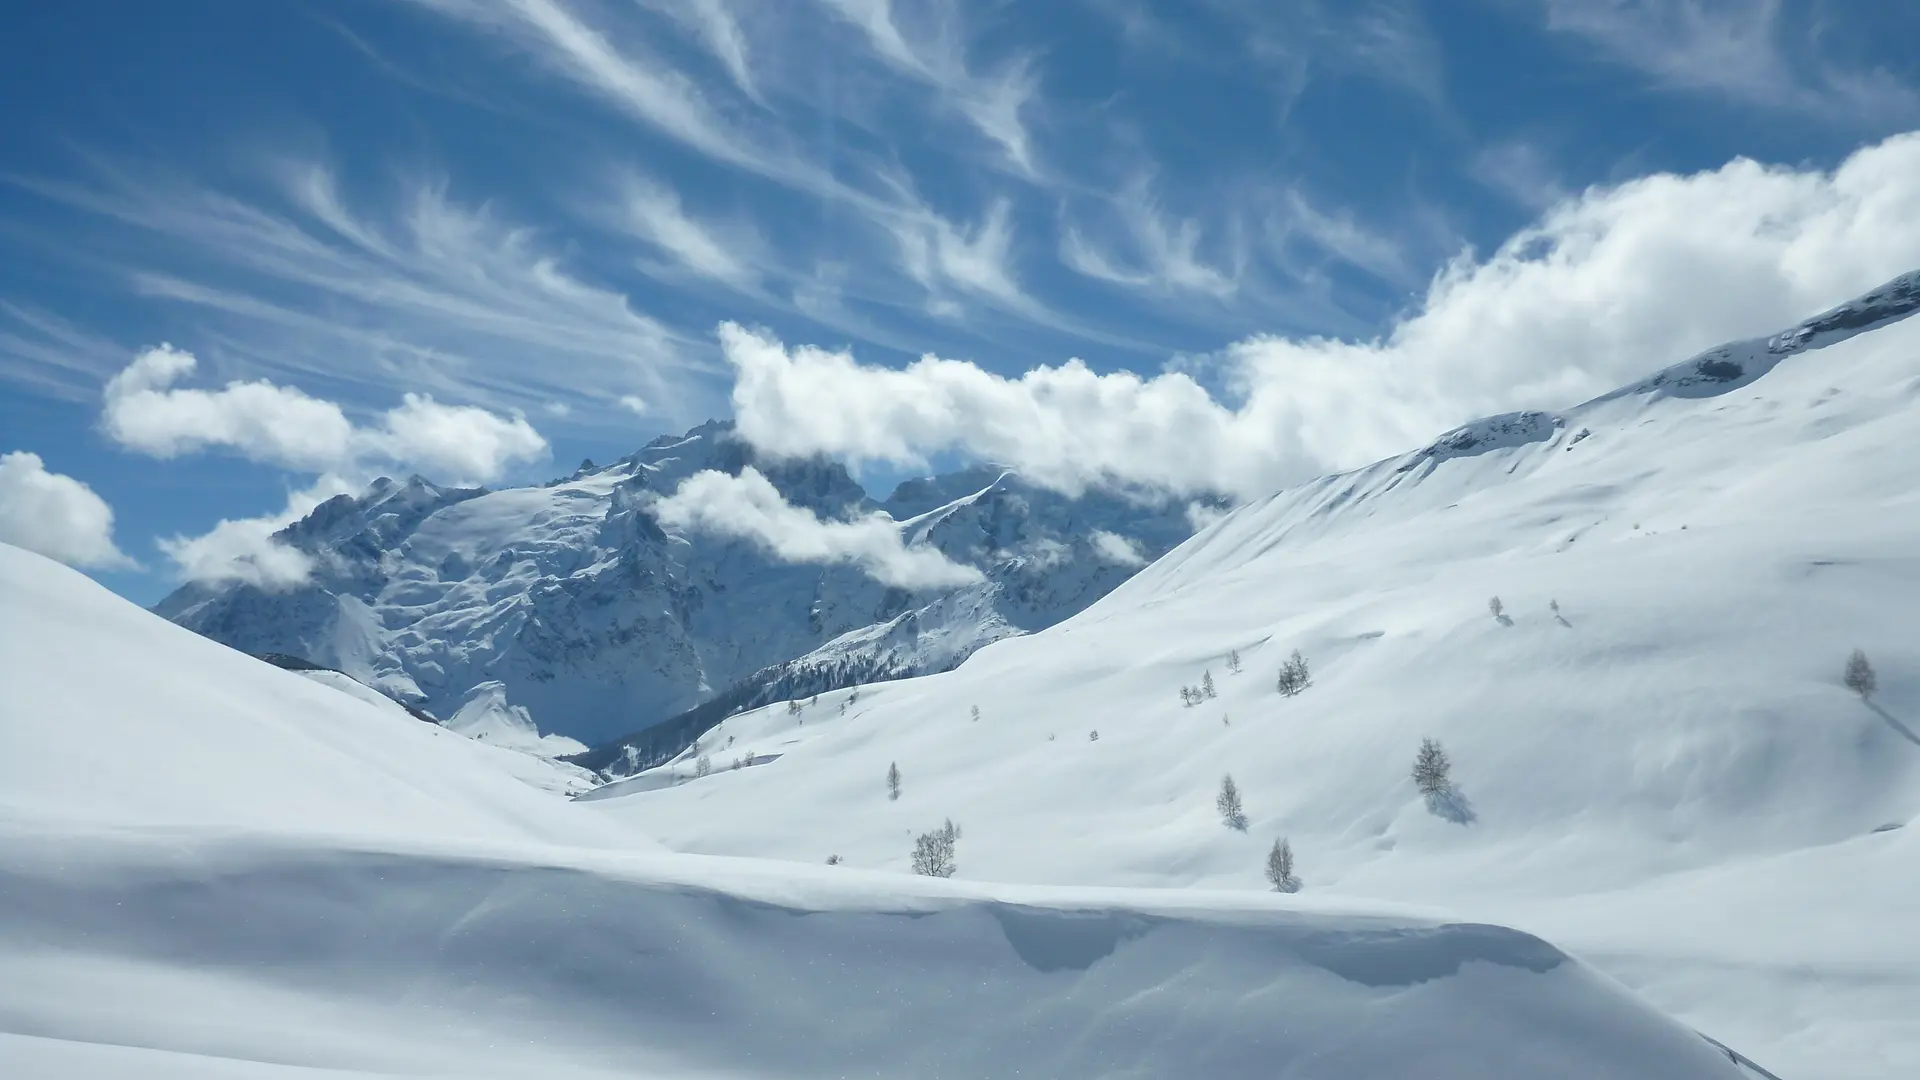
point(279, 425)
point(244, 549)
point(55, 515)
point(1605, 287)
point(748, 506)
point(1118, 549)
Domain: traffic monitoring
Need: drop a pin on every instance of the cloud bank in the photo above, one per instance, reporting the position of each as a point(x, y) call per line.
point(749, 507)
point(283, 426)
point(1605, 287)
point(55, 515)
point(145, 410)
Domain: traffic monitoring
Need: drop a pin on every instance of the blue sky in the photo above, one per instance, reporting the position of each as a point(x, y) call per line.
point(540, 211)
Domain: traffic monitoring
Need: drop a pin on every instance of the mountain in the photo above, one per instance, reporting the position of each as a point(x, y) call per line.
point(210, 867)
point(1656, 763)
point(568, 609)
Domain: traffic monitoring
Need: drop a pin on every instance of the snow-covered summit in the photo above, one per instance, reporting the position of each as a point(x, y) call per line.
point(582, 614)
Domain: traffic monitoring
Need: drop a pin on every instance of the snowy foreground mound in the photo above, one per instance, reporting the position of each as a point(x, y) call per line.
point(1656, 764)
point(210, 867)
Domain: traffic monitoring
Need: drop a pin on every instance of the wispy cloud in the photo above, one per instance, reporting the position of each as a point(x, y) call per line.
point(1159, 250)
point(1739, 49)
point(654, 212)
point(937, 56)
point(441, 295)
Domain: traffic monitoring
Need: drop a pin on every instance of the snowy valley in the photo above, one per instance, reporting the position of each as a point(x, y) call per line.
point(1667, 816)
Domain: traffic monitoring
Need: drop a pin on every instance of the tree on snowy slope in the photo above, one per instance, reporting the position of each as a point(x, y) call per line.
point(1229, 805)
point(893, 781)
point(1280, 867)
point(1293, 675)
point(1431, 770)
point(933, 852)
point(1859, 676)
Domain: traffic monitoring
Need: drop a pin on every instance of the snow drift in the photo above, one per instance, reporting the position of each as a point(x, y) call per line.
point(212, 867)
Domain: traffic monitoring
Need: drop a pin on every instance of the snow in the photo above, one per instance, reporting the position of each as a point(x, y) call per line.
point(1665, 778)
point(572, 605)
point(211, 867)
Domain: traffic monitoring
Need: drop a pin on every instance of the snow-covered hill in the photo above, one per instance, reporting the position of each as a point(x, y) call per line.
point(568, 605)
point(211, 867)
point(1655, 761)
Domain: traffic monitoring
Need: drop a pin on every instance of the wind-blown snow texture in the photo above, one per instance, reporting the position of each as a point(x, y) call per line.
point(210, 867)
point(570, 603)
point(1666, 776)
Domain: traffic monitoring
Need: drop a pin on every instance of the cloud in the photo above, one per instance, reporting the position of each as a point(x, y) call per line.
point(283, 426)
point(1116, 548)
point(1603, 288)
point(749, 507)
point(1163, 252)
point(1739, 49)
point(453, 298)
point(55, 515)
point(654, 214)
point(992, 103)
point(244, 549)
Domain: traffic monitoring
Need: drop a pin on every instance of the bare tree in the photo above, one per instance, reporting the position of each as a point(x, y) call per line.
point(833, 860)
point(1280, 867)
point(702, 765)
point(1293, 675)
point(1496, 607)
point(1859, 676)
point(1206, 685)
point(976, 712)
point(893, 781)
point(1189, 696)
point(933, 852)
point(1233, 661)
point(1228, 803)
point(793, 707)
point(1431, 770)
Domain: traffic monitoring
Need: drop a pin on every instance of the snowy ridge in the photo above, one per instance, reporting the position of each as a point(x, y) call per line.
point(592, 621)
point(269, 878)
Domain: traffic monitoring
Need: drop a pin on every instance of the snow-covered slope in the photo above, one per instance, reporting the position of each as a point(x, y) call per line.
point(1656, 763)
point(210, 867)
point(570, 604)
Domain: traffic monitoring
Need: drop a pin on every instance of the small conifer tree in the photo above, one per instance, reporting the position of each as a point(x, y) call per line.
point(1496, 607)
point(1206, 685)
point(893, 780)
point(702, 765)
point(1233, 662)
point(1431, 770)
point(833, 860)
point(1859, 676)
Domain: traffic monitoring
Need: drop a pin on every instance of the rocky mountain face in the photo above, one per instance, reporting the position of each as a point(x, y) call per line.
point(571, 605)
